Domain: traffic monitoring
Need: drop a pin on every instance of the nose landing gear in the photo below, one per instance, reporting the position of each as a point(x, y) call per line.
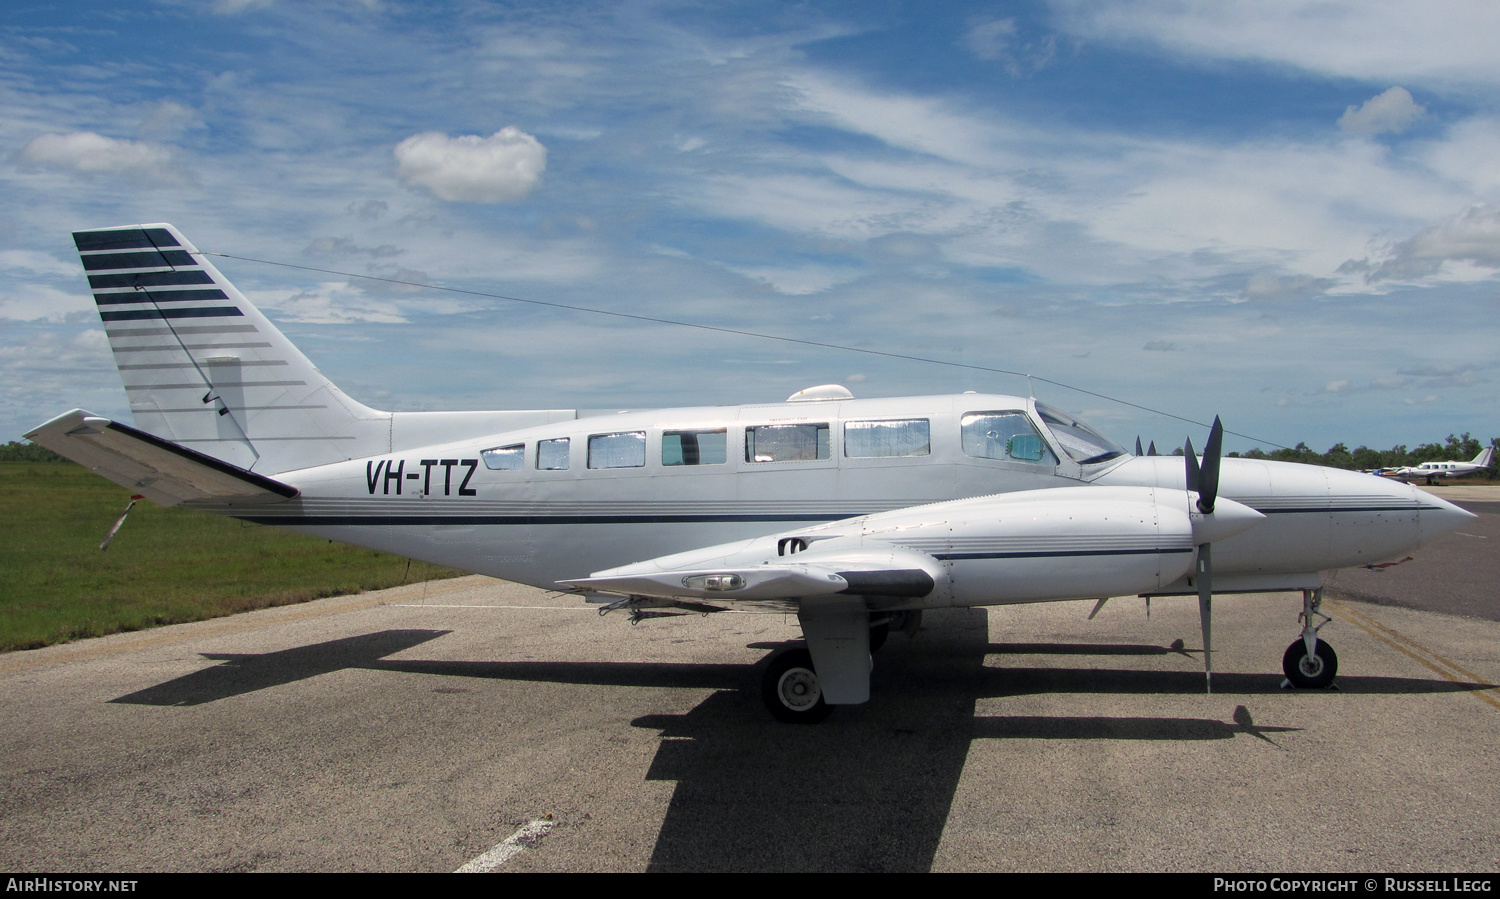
point(1309, 663)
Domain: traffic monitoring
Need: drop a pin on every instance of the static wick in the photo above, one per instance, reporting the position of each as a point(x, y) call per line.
point(114, 530)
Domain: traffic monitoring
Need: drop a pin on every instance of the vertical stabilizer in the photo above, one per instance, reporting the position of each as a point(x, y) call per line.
point(1484, 457)
point(204, 368)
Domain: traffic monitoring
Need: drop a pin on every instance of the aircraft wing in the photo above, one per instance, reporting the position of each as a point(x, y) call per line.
point(158, 469)
point(830, 567)
point(1029, 546)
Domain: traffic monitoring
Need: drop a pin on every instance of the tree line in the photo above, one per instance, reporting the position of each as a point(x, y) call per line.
point(1453, 449)
point(27, 452)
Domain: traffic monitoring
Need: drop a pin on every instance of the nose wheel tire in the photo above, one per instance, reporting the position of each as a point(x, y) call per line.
point(1310, 672)
point(790, 689)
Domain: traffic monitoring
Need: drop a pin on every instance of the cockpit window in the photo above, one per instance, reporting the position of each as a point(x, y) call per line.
point(1082, 443)
point(1009, 436)
point(505, 458)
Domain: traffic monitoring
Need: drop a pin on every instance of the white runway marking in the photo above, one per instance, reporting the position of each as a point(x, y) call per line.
point(505, 851)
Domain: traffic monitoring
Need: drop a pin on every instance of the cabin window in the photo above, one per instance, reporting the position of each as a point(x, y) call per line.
point(1005, 435)
point(898, 437)
point(626, 449)
point(505, 458)
point(694, 447)
point(787, 443)
point(552, 455)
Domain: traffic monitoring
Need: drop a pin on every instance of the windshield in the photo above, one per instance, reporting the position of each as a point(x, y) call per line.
point(1082, 443)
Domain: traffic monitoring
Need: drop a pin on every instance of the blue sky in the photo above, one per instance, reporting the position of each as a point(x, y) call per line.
point(1284, 213)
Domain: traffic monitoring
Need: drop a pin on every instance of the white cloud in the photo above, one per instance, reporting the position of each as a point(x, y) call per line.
point(1301, 208)
point(38, 302)
point(503, 167)
point(1393, 111)
point(804, 204)
point(167, 120)
point(343, 246)
point(1447, 41)
point(87, 153)
point(996, 40)
point(37, 262)
point(1307, 208)
point(234, 7)
point(330, 303)
point(1266, 286)
point(1472, 238)
point(919, 124)
point(990, 39)
point(369, 210)
point(1469, 155)
point(43, 372)
point(800, 281)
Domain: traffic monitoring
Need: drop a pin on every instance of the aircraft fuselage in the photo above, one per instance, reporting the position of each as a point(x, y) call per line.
point(577, 496)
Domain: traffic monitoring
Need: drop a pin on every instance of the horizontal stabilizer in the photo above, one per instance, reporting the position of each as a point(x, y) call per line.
point(158, 469)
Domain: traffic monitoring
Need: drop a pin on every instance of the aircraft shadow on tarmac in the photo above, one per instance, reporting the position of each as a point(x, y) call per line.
point(250, 672)
point(870, 790)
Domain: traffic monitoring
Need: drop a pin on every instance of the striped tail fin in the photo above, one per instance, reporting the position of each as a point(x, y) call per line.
point(205, 369)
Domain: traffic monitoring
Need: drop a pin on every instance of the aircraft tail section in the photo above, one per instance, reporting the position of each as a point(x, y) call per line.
point(204, 368)
point(1485, 456)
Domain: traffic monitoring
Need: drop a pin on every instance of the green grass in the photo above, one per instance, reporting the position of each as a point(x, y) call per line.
point(164, 566)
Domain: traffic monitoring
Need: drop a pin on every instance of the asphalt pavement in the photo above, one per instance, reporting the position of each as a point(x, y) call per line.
point(478, 723)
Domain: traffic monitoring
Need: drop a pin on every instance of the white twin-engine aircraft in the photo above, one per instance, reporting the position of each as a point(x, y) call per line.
point(1435, 472)
point(854, 514)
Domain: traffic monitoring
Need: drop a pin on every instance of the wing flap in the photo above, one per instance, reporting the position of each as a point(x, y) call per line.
point(158, 469)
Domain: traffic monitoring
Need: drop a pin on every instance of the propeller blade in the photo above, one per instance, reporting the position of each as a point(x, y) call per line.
point(1206, 611)
point(1208, 482)
point(1152, 451)
point(1138, 445)
point(1190, 459)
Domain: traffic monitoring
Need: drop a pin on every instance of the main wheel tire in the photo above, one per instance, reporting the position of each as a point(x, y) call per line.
point(790, 689)
point(1310, 672)
point(878, 635)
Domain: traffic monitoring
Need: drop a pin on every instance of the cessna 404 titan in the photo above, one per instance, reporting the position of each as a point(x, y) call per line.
point(853, 514)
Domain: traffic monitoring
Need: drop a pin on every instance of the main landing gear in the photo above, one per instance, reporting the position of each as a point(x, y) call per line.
point(802, 685)
point(1310, 663)
point(790, 689)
